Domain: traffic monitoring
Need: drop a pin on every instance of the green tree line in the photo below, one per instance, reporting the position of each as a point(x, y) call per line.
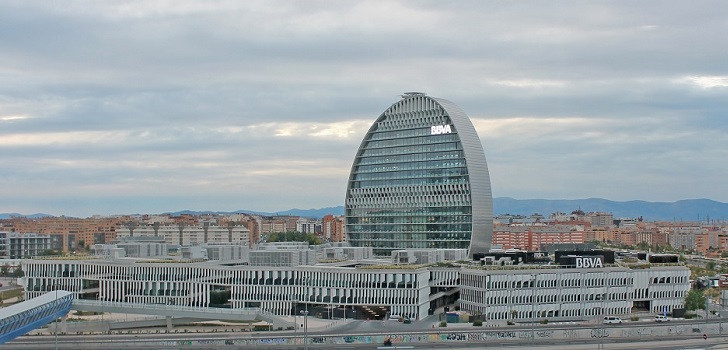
point(294, 236)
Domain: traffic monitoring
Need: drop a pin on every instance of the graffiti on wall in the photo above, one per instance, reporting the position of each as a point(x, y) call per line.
point(599, 333)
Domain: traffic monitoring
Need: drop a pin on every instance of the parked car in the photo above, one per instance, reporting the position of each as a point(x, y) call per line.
point(661, 318)
point(612, 320)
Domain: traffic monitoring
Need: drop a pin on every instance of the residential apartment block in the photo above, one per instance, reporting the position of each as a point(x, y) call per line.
point(15, 245)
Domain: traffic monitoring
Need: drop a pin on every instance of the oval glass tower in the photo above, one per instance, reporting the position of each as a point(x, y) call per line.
point(420, 180)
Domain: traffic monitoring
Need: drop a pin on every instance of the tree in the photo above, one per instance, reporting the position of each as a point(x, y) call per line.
point(5, 270)
point(695, 300)
point(643, 246)
point(294, 236)
point(18, 272)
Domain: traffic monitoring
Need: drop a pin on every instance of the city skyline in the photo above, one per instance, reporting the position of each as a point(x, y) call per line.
point(127, 107)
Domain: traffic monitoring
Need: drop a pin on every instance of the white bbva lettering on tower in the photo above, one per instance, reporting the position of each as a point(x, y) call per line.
point(589, 262)
point(440, 129)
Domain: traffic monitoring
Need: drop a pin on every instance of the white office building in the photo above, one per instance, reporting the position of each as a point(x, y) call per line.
point(523, 294)
point(372, 291)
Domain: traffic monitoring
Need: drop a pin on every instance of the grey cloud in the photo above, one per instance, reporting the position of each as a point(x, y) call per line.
point(165, 80)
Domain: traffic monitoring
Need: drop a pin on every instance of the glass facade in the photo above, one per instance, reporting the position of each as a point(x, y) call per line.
point(419, 180)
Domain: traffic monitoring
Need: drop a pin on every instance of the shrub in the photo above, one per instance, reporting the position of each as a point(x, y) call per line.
point(443, 324)
point(545, 321)
point(634, 318)
point(478, 323)
point(510, 323)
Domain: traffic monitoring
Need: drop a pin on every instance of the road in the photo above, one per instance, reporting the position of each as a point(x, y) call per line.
point(363, 329)
point(160, 342)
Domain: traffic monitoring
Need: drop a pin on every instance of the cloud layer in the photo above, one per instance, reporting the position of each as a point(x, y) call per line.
point(148, 106)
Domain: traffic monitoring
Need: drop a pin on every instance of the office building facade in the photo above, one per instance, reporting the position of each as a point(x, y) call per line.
point(420, 180)
point(499, 293)
point(15, 245)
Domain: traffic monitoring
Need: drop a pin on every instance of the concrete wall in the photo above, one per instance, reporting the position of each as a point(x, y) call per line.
point(500, 337)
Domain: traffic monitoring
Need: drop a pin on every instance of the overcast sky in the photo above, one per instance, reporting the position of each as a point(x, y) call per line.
point(120, 107)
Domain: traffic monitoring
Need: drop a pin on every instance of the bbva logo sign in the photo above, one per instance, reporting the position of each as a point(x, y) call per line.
point(440, 129)
point(588, 262)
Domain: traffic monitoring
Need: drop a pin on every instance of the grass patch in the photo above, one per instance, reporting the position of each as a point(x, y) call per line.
point(8, 294)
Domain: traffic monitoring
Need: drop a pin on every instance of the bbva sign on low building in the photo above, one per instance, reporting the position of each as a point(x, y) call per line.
point(589, 261)
point(582, 262)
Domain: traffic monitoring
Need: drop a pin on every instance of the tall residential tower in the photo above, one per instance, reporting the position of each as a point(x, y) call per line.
point(420, 180)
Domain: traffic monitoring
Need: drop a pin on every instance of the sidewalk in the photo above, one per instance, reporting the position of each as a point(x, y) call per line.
point(316, 323)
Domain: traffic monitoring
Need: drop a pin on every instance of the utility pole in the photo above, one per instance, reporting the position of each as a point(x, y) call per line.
point(533, 311)
point(56, 318)
point(305, 315)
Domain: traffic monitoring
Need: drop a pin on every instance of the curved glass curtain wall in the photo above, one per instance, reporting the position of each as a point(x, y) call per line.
point(409, 185)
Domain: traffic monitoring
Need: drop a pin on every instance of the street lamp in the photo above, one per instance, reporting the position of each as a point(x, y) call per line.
point(305, 328)
point(294, 305)
point(603, 310)
point(305, 316)
point(707, 308)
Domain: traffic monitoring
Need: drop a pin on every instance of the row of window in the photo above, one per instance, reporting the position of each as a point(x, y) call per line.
point(546, 280)
point(404, 115)
point(437, 164)
point(422, 140)
point(410, 211)
point(384, 247)
point(516, 299)
point(405, 237)
point(443, 201)
point(406, 133)
point(438, 190)
point(410, 219)
point(381, 230)
point(411, 182)
point(439, 147)
point(161, 276)
point(416, 157)
point(411, 174)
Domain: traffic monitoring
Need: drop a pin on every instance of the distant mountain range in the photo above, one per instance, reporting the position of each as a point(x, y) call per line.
point(308, 213)
point(685, 210)
point(31, 216)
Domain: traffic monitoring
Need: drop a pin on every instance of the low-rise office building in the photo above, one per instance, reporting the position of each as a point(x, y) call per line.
point(553, 293)
point(370, 289)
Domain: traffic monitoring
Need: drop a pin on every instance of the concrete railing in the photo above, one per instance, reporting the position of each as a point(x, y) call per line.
point(244, 314)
